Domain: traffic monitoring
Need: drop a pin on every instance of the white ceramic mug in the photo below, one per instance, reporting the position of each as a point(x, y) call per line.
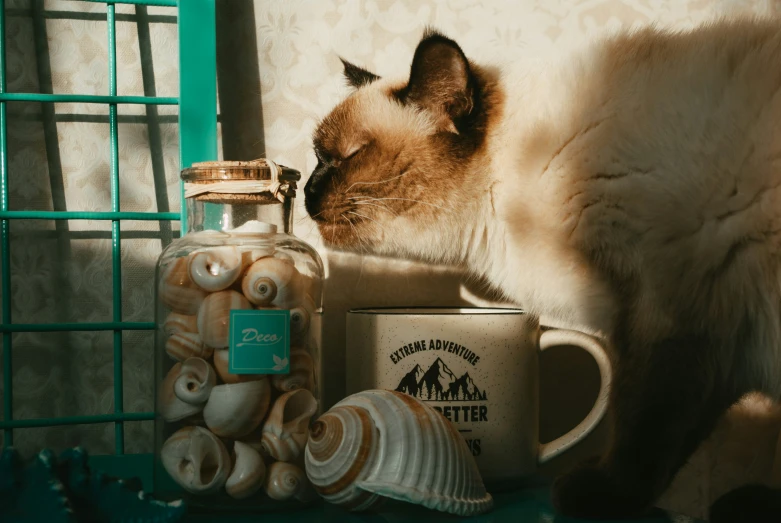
point(479, 367)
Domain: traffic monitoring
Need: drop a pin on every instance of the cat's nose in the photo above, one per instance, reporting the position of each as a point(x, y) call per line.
point(315, 194)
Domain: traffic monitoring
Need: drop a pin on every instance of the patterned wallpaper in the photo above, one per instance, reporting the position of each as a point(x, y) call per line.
point(278, 74)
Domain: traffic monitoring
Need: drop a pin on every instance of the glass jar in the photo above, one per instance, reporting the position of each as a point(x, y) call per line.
point(237, 348)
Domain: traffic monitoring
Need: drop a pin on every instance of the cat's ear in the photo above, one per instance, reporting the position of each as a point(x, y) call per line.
point(440, 79)
point(357, 76)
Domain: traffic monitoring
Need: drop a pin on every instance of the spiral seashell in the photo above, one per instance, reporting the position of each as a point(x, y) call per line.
point(251, 254)
point(196, 459)
point(177, 290)
point(380, 443)
point(286, 481)
point(185, 389)
point(300, 319)
point(175, 323)
point(271, 281)
point(221, 365)
point(248, 474)
point(236, 409)
point(286, 429)
point(300, 375)
point(214, 317)
point(216, 268)
point(183, 345)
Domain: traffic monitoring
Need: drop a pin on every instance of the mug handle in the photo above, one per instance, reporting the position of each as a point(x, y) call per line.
point(556, 338)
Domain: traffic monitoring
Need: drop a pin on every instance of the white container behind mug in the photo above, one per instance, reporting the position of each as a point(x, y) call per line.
point(478, 367)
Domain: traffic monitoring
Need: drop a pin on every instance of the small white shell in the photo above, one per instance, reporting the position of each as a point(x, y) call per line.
point(196, 459)
point(221, 365)
point(249, 472)
point(287, 427)
point(251, 254)
point(236, 409)
point(214, 316)
point(177, 290)
point(183, 345)
point(280, 255)
point(185, 389)
point(299, 323)
point(216, 268)
point(271, 281)
point(176, 322)
point(286, 481)
point(380, 443)
point(300, 375)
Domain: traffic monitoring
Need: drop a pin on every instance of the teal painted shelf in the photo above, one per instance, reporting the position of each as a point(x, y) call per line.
point(526, 506)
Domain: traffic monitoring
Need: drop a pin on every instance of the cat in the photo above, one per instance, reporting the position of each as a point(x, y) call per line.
point(632, 190)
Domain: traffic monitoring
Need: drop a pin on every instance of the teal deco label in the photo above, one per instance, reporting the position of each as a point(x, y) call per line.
point(259, 342)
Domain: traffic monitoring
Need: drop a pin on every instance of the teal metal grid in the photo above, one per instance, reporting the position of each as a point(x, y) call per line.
point(197, 142)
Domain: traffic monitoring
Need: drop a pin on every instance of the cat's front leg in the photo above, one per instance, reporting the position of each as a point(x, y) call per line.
point(665, 399)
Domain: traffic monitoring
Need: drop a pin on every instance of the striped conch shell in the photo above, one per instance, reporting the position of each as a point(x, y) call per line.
point(185, 389)
point(215, 268)
point(286, 429)
point(273, 282)
point(301, 374)
point(236, 409)
point(183, 345)
point(384, 444)
point(196, 459)
point(177, 290)
point(214, 317)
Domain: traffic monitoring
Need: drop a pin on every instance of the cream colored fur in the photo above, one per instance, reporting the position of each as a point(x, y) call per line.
point(664, 149)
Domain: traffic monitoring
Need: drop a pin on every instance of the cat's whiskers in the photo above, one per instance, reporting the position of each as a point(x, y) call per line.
point(402, 199)
point(312, 219)
point(361, 243)
point(379, 182)
point(383, 207)
point(367, 218)
point(355, 230)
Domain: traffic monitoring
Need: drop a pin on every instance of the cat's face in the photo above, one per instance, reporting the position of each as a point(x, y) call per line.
point(391, 155)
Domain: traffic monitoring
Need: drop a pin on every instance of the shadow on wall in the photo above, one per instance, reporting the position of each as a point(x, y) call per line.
point(61, 271)
point(238, 81)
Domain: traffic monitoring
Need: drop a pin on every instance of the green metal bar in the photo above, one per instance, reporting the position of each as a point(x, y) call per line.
point(5, 245)
point(116, 242)
point(160, 3)
point(197, 87)
point(78, 327)
point(84, 215)
point(77, 420)
point(88, 98)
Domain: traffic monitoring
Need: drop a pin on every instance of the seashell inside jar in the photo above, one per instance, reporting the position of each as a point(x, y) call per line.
point(237, 366)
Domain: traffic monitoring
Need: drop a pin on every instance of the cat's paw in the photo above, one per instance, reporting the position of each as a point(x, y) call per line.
point(588, 492)
point(748, 504)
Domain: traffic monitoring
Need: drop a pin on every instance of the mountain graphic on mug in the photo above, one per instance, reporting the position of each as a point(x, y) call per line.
point(439, 383)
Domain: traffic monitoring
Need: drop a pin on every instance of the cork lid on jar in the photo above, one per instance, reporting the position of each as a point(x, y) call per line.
point(261, 181)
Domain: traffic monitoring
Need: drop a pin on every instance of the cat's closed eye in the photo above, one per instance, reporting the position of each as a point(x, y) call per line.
point(353, 150)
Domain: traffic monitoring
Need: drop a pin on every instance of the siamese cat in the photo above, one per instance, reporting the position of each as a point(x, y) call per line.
point(632, 190)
